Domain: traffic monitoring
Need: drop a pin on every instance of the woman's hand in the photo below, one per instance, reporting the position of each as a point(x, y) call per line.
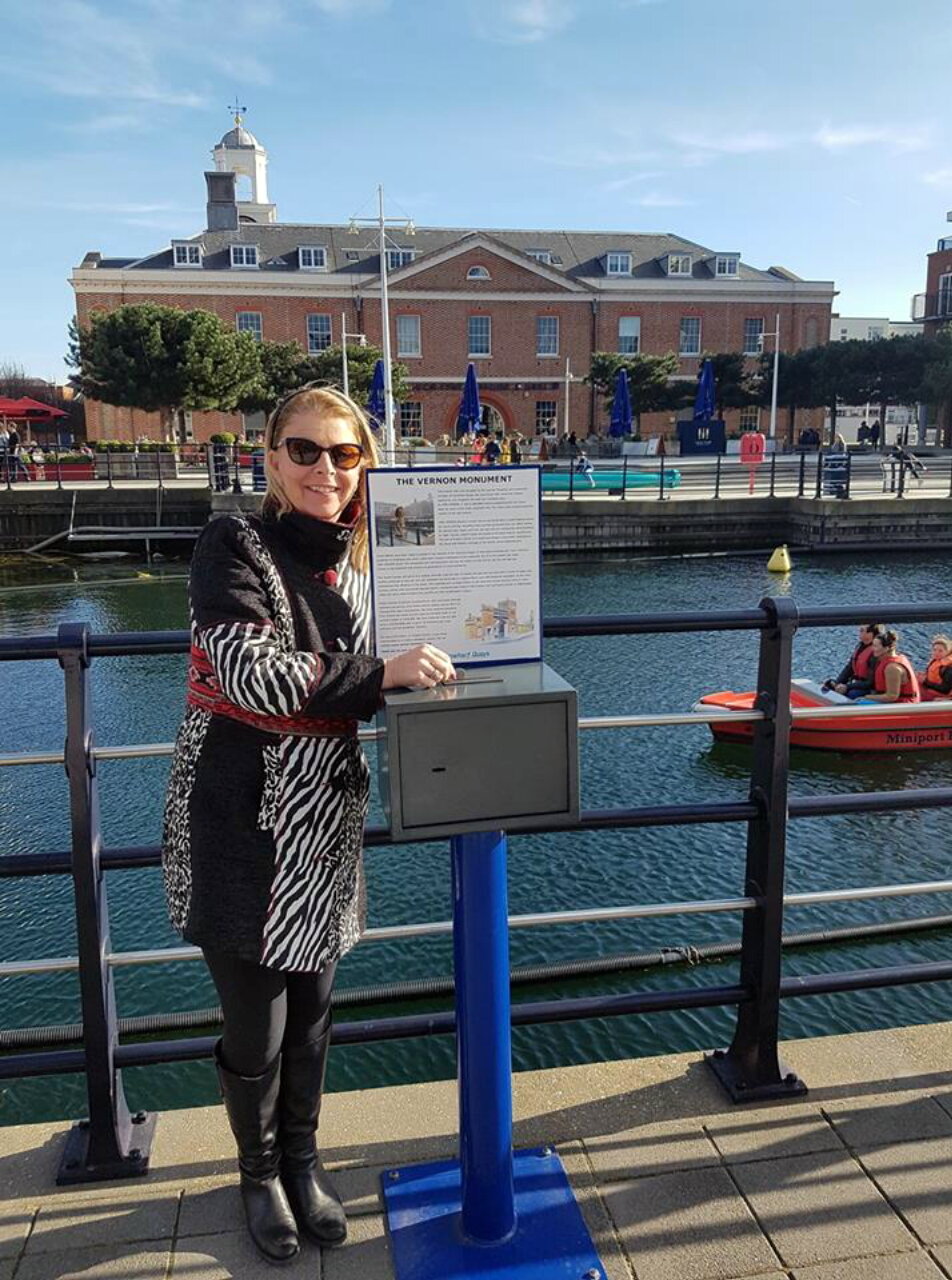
point(422, 667)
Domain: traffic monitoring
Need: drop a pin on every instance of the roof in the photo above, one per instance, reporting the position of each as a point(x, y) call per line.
point(579, 255)
point(238, 138)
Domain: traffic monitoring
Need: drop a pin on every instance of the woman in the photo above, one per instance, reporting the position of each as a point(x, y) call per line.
point(935, 683)
point(268, 793)
point(894, 679)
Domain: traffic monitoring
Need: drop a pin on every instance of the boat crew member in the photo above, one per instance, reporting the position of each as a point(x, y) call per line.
point(894, 679)
point(856, 678)
point(935, 683)
point(268, 793)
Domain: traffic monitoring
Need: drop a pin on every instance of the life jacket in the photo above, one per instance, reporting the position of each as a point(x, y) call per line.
point(909, 689)
point(862, 658)
point(933, 672)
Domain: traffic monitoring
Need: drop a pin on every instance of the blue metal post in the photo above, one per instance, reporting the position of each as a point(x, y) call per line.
point(484, 1050)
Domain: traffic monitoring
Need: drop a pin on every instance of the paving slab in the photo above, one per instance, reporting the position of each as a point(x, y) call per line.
point(366, 1255)
point(688, 1226)
point(820, 1208)
point(104, 1219)
point(596, 1216)
point(15, 1220)
point(111, 1262)
point(917, 1180)
point(6, 1268)
point(232, 1256)
point(769, 1134)
point(900, 1266)
point(943, 1255)
point(882, 1122)
point(650, 1150)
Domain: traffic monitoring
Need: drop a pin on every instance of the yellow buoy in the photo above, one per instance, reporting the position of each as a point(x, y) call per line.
point(139, 574)
point(780, 561)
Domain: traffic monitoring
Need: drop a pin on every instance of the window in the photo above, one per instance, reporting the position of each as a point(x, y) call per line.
point(944, 300)
point(408, 336)
point(244, 255)
point(478, 273)
point(618, 264)
point(250, 322)
point(252, 426)
point(411, 418)
point(479, 334)
point(318, 333)
point(629, 335)
point(540, 255)
point(874, 331)
point(312, 257)
point(750, 418)
point(679, 264)
point(753, 336)
point(547, 335)
point(690, 341)
point(725, 265)
point(844, 334)
point(397, 258)
point(545, 415)
point(186, 255)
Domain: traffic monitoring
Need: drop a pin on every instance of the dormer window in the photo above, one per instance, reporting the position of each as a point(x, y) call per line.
point(540, 255)
point(478, 273)
point(244, 255)
point(312, 257)
point(618, 264)
point(679, 264)
point(397, 258)
point(186, 254)
point(725, 266)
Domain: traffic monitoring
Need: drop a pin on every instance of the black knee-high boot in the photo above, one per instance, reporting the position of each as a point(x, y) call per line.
point(316, 1204)
point(252, 1106)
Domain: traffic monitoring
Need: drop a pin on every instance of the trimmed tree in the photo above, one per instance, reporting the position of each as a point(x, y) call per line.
point(163, 360)
point(650, 385)
point(327, 366)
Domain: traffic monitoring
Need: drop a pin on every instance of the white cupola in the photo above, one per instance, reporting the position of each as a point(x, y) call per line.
point(241, 153)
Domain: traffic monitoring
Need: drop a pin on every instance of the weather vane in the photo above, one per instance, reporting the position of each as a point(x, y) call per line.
point(238, 110)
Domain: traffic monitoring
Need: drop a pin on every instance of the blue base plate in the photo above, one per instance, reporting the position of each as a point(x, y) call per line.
point(551, 1239)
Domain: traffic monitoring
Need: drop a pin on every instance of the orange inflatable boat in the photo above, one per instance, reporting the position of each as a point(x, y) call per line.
point(919, 726)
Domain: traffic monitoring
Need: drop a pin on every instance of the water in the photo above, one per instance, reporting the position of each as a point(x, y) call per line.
point(139, 700)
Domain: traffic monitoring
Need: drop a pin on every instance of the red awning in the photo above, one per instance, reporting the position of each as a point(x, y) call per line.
point(26, 409)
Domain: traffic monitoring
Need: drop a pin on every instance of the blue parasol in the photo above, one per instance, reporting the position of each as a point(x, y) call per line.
point(470, 414)
point(704, 400)
point(376, 403)
point(621, 407)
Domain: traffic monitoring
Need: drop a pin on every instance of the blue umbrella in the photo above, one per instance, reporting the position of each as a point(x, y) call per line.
point(470, 414)
point(621, 407)
point(704, 400)
point(376, 403)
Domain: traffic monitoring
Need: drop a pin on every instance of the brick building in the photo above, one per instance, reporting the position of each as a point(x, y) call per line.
point(934, 307)
point(522, 305)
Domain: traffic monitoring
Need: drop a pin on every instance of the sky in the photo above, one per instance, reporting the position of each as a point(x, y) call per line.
point(804, 133)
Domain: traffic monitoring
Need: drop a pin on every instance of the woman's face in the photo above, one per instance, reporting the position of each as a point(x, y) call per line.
point(321, 490)
point(939, 650)
point(878, 647)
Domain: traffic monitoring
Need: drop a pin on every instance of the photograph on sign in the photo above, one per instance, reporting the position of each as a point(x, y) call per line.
point(455, 561)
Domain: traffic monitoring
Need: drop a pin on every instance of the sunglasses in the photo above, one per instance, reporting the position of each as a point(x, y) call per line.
point(306, 452)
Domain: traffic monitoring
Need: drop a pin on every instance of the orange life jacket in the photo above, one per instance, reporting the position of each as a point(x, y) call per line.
point(861, 660)
point(909, 689)
point(932, 675)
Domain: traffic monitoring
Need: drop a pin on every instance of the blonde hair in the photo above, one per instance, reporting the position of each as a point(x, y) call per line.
point(318, 398)
point(941, 638)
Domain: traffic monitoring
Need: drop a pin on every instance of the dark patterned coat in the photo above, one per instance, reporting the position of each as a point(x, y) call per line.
point(268, 789)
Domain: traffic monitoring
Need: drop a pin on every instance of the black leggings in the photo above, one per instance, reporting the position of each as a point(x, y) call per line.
point(266, 1010)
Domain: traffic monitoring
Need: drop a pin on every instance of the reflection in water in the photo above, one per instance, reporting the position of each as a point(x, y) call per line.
point(139, 700)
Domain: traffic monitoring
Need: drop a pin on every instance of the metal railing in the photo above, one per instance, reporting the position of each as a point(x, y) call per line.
point(113, 1143)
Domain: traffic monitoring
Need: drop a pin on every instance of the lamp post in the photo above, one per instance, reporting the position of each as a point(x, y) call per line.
point(773, 390)
point(344, 335)
point(382, 222)
point(570, 377)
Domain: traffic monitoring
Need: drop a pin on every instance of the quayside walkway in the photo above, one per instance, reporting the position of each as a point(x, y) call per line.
point(854, 1182)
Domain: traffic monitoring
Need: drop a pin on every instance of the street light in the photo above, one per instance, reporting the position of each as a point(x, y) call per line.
point(382, 222)
point(344, 335)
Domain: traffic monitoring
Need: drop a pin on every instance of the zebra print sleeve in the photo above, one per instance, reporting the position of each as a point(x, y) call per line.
point(253, 672)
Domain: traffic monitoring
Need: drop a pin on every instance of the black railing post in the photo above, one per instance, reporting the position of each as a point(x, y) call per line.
point(624, 475)
point(7, 455)
point(751, 1068)
point(901, 489)
point(717, 477)
point(661, 493)
point(109, 484)
point(571, 478)
point(111, 1143)
point(59, 470)
point(236, 487)
point(819, 474)
point(849, 474)
point(773, 473)
point(803, 473)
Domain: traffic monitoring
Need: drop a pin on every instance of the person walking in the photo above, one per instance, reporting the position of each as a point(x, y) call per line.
point(268, 794)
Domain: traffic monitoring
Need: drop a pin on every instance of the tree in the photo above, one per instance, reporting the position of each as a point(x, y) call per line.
point(15, 382)
point(797, 386)
point(836, 375)
point(936, 386)
point(733, 384)
point(163, 360)
point(891, 371)
point(281, 366)
point(326, 366)
point(649, 380)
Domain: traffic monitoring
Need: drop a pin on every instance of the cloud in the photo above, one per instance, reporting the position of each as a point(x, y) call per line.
point(938, 178)
point(350, 8)
point(865, 135)
point(700, 148)
point(621, 184)
point(520, 21)
point(660, 200)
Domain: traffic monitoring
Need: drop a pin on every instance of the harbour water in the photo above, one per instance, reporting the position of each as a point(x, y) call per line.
point(140, 700)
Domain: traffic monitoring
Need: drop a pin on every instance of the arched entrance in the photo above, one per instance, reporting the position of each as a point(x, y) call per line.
point(495, 414)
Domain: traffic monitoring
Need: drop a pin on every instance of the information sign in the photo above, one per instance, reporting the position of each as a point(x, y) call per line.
point(456, 562)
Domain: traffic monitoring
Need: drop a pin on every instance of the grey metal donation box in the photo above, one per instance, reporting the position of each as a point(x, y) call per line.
point(496, 749)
